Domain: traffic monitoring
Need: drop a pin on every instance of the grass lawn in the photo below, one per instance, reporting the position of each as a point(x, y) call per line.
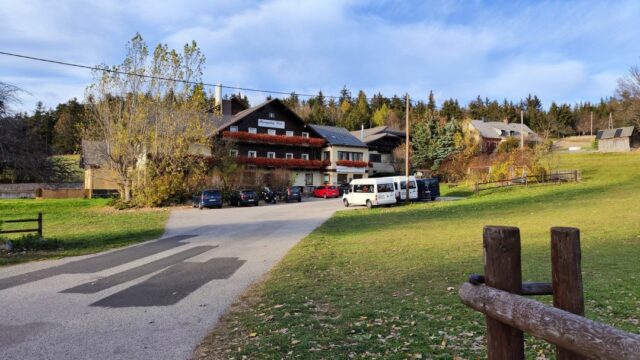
point(383, 283)
point(82, 226)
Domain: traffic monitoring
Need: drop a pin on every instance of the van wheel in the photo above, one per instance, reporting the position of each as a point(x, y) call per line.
point(345, 202)
point(369, 205)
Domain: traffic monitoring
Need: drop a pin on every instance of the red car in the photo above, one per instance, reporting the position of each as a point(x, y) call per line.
point(326, 191)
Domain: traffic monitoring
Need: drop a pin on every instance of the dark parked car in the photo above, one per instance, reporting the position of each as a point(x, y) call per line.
point(208, 199)
point(423, 190)
point(292, 194)
point(434, 187)
point(244, 197)
point(344, 189)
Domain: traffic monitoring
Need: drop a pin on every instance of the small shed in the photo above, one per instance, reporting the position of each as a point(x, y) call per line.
point(618, 140)
point(99, 179)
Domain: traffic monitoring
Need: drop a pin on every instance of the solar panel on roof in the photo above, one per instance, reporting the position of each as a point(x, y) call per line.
point(617, 133)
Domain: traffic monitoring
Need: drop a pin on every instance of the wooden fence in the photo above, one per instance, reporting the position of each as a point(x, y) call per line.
point(508, 313)
point(37, 220)
point(558, 176)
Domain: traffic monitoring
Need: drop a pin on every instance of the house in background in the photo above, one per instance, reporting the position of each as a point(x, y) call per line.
point(347, 157)
point(381, 141)
point(618, 140)
point(99, 180)
point(489, 134)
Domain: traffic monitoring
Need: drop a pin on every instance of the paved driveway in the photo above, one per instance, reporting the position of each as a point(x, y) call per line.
point(155, 300)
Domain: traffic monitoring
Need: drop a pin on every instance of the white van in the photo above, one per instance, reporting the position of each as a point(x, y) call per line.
point(401, 190)
point(370, 192)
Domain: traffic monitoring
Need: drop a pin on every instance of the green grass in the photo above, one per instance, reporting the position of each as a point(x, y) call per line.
point(383, 283)
point(82, 226)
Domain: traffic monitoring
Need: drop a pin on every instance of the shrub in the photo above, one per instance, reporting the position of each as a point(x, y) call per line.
point(32, 243)
point(594, 144)
point(508, 145)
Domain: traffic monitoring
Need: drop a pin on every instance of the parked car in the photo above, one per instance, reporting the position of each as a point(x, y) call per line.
point(326, 191)
point(292, 193)
point(370, 192)
point(434, 187)
point(208, 199)
point(424, 193)
point(244, 197)
point(344, 188)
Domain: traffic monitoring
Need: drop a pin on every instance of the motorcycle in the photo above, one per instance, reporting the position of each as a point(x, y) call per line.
point(269, 197)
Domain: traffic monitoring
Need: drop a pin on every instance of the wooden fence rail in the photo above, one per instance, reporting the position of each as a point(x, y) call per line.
point(557, 176)
point(508, 313)
point(37, 220)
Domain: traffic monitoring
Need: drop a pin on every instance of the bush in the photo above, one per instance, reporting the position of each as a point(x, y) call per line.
point(32, 243)
point(509, 145)
point(594, 144)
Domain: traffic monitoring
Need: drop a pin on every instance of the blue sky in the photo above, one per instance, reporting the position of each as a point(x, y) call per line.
point(566, 51)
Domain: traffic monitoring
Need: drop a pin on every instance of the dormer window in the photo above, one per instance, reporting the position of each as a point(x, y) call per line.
point(305, 134)
point(253, 130)
point(233, 129)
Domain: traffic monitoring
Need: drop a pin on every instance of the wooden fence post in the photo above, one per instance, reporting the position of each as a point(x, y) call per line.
point(502, 270)
point(40, 225)
point(566, 277)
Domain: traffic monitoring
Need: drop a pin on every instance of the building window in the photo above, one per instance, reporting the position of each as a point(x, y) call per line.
point(288, 156)
point(308, 179)
point(376, 158)
point(305, 134)
point(272, 115)
point(253, 131)
point(289, 133)
point(252, 154)
point(352, 156)
point(305, 157)
point(233, 152)
point(271, 131)
point(233, 129)
point(326, 179)
point(271, 155)
point(326, 155)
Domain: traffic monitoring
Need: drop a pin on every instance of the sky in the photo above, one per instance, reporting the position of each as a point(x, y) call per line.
point(563, 51)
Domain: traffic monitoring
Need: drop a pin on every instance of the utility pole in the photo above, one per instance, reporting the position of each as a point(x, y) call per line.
point(521, 130)
point(406, 149)
point(591, 115)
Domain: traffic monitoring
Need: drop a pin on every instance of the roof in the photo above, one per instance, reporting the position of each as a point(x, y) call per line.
point(94, 153)
point(242, 114)
point(378, 132)
point(494, 129)
point(621, 132)
point(337, 136)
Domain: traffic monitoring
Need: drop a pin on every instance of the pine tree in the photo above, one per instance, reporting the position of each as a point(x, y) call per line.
point(431, 104)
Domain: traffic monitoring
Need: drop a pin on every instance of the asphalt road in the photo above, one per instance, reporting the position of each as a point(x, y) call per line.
point(154, 300)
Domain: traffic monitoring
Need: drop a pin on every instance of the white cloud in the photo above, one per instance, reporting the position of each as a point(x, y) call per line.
point(561, 51)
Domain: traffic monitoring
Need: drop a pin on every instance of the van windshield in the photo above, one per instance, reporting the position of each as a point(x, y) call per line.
point(385, 188)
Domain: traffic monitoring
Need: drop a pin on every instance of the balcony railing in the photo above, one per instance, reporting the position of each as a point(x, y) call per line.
point(273, 139)
point(285, 163)
point(351, 163)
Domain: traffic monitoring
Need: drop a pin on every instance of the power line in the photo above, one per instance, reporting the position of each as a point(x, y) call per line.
point(106, 69)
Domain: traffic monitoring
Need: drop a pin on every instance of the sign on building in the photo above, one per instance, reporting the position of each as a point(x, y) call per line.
point(277, 124)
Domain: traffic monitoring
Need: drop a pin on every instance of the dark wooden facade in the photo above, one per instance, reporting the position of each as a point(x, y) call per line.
point(272, 111)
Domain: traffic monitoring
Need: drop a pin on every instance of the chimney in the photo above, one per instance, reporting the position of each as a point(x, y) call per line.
point(217, 95)
point(361, 132)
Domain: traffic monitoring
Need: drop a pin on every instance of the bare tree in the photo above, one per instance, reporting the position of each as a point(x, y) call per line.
point(628, 92)
point(8, 95)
